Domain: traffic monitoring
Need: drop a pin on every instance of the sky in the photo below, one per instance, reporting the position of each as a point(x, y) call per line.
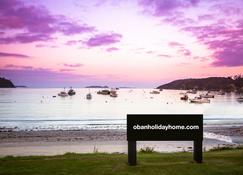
point(134, 43)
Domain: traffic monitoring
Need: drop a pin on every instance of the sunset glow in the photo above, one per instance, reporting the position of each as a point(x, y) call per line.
point(140, 43)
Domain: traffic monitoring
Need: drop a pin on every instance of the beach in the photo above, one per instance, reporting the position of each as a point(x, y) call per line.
point(55, 142)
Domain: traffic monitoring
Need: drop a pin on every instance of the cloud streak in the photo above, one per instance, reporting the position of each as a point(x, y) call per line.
point(73, 65)
point(103, 40)
point(165, 7)
point(16, 55)
point(112, 49)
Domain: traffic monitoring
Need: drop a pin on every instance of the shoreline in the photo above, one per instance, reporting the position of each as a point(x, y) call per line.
point(55, 142)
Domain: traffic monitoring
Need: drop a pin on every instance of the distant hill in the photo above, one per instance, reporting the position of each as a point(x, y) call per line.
point(96, 87)
point(4, 83)
point(227, 84)
point(20, 86)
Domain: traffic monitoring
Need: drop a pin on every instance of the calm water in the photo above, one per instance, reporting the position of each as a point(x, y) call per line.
point(25, 108)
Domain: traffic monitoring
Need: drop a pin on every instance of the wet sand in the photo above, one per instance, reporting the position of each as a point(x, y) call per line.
point(23, 143)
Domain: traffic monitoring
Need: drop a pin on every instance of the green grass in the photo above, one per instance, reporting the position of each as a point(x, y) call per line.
point(226, 162)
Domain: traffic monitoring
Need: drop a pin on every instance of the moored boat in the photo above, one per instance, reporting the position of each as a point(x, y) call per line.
point(89, 96)
point(104, 92)
point(63, 94)
point(154, 92)
point(71, 92)
point(207, 95)
point(192, 91)
point(113, 93)
point(221, 93)
point(199, 100)
point(240, 99)
point(185, 97)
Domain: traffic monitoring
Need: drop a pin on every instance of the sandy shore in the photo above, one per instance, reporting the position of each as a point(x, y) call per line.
point(87, 141)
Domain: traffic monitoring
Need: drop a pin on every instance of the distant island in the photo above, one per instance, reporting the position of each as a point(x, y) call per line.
point(96, 87)
point(227, 84)
point(20, 86)
point(5, 83)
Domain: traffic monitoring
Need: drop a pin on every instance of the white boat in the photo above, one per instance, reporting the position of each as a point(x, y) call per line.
point(240, 99)
point(113, 93)
point(155, 92)
point(89, 96)
point(221, 93)
point(182, 93)
point(192, 91)
point(199, 100)
point(207, 95)
point(63, 94)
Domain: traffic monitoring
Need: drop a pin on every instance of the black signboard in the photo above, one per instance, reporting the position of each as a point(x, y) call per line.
point(146, 127)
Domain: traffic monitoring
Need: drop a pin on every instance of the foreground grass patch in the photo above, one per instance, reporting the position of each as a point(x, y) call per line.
point(216, 162)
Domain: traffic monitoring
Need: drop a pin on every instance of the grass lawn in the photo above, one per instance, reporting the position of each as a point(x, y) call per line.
point(228, 162)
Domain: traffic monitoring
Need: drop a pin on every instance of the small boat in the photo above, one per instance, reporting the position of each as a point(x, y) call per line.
point(221, 93)
point(185, 97)
point(199, 100)
point(160, 89)
point(63, 94)
point(207, 95)
point(113, 93)
point(71, 92)
point(192, 91)
point(113, 90)
point(104, 92)
point(240, 99)
point(89, 96)
point(182, 93)
point(155, 92)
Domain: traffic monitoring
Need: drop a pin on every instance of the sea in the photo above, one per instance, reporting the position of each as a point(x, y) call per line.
point(43, 109)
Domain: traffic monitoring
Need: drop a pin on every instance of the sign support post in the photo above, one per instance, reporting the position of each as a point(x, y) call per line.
point(197, 152)
point(132, 153)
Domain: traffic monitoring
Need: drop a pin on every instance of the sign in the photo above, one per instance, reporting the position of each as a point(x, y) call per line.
point(146, 127)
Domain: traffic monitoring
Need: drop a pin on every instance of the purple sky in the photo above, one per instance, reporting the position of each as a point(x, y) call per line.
point(140, 43)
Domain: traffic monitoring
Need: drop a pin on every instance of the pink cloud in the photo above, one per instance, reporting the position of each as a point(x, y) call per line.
point(205, 17)
point(164, 55)
point(66, 70)
point(175, 44)
point(72, 42)
point(18, 67)
point(37, 22)
point(227, 44)
point(111, 49)
point(16, 55)
point(103, 39)
point(180, 48)
point(150, 52)
point(45, 45)
point(165, 7)
point(73, 65)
